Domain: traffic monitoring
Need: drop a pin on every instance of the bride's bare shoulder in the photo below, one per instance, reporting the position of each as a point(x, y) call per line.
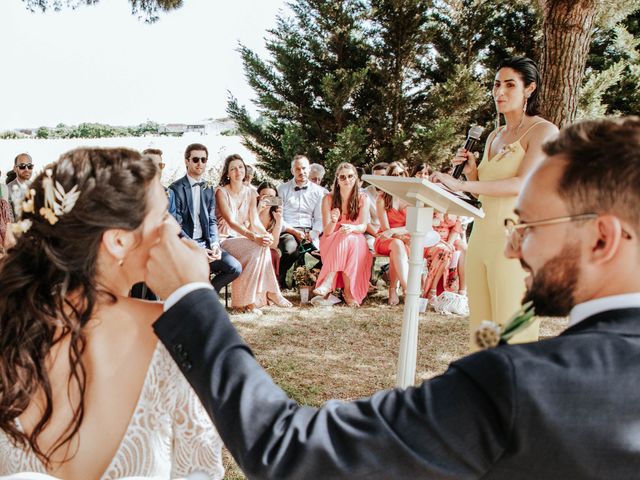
point(142, 311)
point(129, 314)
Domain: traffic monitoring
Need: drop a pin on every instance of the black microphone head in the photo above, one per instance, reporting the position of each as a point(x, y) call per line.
point(475, 132)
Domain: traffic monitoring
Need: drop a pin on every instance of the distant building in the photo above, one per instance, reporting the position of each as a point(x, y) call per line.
point(209, 126)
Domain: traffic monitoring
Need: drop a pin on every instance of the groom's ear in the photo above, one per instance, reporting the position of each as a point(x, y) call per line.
point(118, 243)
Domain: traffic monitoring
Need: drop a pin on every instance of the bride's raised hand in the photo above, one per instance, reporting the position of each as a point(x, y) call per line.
point(174, 261)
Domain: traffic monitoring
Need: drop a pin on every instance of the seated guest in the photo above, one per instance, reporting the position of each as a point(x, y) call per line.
point(316, 174)
point(23, 169)
point(4, 192)
point(248, 178)
point(243, 236)
point(302, 215)
point(393, 238)
point(271, 218)
point(421, 170)
point(346, 259)
point(6, 219)
point(195, 211)
point(373, 192)
point(440, 256)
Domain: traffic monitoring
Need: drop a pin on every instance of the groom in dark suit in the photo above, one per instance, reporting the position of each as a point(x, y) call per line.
point(195, 212)
point(563, 408)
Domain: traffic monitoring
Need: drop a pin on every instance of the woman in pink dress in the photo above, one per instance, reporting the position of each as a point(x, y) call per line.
point(346, 259)
point(390, 241)
point(242, 235)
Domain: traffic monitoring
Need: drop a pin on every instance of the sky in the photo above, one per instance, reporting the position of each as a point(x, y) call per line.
point(102, 64)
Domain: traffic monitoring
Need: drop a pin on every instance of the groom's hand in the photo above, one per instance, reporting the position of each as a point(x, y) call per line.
point(174, 262)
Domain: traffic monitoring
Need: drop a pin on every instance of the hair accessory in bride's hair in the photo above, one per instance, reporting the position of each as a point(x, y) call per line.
point(21, 227)
point(28, 203)
point(57, 202)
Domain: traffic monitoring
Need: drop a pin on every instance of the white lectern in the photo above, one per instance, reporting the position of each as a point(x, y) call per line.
point(425, 196)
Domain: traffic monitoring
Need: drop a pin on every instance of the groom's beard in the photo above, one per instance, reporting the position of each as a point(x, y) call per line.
point(553, 286)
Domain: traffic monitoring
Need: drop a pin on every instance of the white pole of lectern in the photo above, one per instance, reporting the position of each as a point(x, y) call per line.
point(425, 196)
point(419, 219)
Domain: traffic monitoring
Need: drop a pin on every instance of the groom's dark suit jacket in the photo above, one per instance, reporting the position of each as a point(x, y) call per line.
point(565, 408)
point(183, 199)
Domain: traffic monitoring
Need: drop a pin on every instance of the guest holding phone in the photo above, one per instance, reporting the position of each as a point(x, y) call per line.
point(270, 213)
point(346, 259)
point(244, 236)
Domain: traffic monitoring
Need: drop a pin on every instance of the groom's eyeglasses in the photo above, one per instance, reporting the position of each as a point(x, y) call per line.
point(22, 166)
point(517, 231)
point(199, 159)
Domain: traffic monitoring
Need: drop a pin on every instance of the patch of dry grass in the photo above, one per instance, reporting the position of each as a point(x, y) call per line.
point(316, 354)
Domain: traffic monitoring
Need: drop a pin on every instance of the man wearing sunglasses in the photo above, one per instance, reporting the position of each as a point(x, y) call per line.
point(561, 408)
point(23, 168)
point(195, 210)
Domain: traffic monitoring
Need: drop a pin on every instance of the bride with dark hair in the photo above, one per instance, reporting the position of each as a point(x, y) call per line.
point(86, 390)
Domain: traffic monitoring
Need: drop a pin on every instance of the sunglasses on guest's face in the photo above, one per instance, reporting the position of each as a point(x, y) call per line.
point(349, 176)
point(198, 159)
point(22, 166)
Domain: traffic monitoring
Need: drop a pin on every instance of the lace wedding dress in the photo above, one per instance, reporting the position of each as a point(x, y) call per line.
point(169, 435)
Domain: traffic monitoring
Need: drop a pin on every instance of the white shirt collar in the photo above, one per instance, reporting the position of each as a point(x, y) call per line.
point(192, 180)
point(614, 302)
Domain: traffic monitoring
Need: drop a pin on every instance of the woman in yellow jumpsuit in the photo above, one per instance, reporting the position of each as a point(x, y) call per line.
point(495, 283)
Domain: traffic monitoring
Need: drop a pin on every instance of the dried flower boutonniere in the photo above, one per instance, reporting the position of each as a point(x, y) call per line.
point(489, 334)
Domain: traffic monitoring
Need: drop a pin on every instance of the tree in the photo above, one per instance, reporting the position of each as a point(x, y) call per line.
point(568, 27)
point(309, 92)
point(346, 82)
point(147, 10)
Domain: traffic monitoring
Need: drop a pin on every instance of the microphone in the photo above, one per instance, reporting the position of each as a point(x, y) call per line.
point(473, 137)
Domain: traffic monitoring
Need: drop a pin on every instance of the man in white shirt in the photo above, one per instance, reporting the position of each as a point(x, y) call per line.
point(17, 188)
point(301, 215)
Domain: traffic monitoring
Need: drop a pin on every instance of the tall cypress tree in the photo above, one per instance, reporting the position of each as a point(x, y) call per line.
point(307, 89)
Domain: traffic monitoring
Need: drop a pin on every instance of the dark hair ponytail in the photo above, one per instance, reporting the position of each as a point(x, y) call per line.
point(48, 281)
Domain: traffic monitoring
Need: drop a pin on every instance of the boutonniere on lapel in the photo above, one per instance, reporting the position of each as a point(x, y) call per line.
point(489, 334)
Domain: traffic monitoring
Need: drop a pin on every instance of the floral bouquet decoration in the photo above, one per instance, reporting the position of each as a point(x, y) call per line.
point(305, 279)
point(490, 334)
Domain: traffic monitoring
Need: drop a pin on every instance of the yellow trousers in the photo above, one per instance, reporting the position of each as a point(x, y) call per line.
point(495, 286)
